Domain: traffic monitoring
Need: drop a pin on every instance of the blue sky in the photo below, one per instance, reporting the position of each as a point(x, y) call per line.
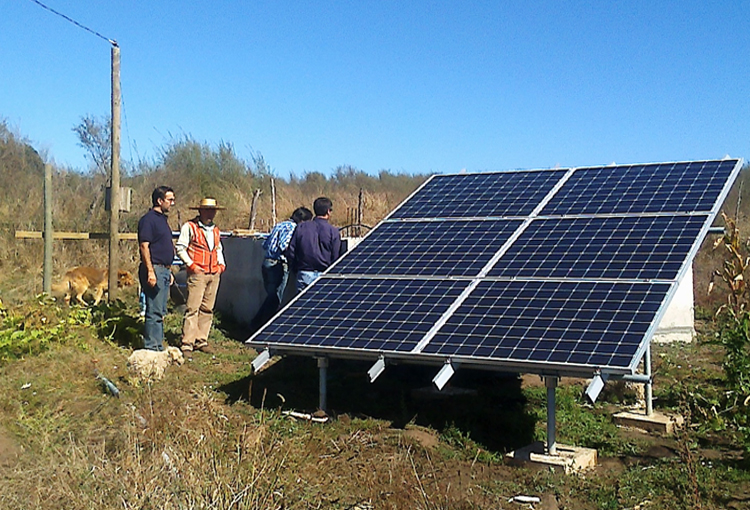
point(415, 86)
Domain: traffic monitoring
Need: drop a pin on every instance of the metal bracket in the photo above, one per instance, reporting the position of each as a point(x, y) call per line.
point(377, 369)
point(260, 360)
point(596, 386)
point(444, 375)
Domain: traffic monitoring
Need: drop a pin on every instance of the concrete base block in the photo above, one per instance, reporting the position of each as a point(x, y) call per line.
point(570, 458)
point(670, 335)
point(658, 422)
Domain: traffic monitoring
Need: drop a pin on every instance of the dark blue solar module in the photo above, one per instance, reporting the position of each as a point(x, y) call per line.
point(360, 313)
point(575, 287)
point(598, 324)
point(634, 189)
point(428, 248)
point(480, 195)
point(645, 247)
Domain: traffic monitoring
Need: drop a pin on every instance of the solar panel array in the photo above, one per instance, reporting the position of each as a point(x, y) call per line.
point(542, 271)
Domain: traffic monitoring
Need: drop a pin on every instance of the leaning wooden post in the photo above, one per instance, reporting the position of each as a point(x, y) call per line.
point(254, 209)
point(273, 201)
point(47, 277)
point(359, 214)
point(114, 202)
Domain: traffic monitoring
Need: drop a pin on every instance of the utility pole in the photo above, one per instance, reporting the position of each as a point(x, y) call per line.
point(114, 208)
point(114, 181)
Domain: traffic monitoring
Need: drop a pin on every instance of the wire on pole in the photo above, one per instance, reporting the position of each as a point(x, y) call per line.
point(50, 9)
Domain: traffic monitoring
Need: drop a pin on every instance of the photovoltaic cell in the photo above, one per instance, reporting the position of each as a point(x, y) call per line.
point(581, 323)
point(473, 195)
point(645, 247)
point(366, 314)
point(428, 248)
point(634, 189)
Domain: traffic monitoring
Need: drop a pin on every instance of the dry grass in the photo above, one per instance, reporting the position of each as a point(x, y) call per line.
point(178, 445)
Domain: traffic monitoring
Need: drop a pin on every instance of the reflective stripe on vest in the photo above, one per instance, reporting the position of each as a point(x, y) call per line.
point(198, 250)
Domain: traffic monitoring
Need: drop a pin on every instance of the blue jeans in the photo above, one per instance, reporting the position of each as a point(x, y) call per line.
point(275, 276)
point(305, 278)
point(156, 306)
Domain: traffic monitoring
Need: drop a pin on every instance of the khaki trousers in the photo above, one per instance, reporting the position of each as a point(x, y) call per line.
point(199, 313)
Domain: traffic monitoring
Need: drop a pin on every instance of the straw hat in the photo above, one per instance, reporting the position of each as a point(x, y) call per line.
point(208, 203)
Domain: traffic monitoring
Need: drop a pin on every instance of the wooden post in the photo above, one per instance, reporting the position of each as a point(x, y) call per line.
point(47, 277)
point(254, 209)
point(114, 209)
point(273, 201)
point(359, 214)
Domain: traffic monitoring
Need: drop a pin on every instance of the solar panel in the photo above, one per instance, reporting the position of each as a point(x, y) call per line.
point(634, 189)
point(544, 322)
point(646, 247)
point(562, 271)
point(428, 248)
point(365, 314)
point(480, 195)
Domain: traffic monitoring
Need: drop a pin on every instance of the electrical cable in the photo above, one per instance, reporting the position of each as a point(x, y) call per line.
point(110, 41)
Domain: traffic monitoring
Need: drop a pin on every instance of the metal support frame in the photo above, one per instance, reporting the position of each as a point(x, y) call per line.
point(649, 384)
point(551, 383)
point(323, 384)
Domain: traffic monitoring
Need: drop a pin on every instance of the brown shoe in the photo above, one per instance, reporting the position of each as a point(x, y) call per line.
point(187, 351)
point(204, 348)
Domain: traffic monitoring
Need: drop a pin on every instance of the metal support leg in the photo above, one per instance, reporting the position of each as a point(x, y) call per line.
point(649, 389)
point(551, 383)
point(323, 384)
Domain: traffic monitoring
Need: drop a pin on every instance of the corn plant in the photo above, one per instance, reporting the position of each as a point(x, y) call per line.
point(734, 326)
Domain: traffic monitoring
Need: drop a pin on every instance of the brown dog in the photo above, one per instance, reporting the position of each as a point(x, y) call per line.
point(79, 280)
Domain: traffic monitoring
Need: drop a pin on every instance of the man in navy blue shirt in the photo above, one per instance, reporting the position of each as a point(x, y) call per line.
point(315, 244)
point(154, 273)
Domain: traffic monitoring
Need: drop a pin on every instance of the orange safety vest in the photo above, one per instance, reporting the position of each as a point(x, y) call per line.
point(203, 257)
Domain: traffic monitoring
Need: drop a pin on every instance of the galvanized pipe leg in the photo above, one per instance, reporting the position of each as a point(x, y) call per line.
point(551, 383)
point(649, 388)
point(323, 384)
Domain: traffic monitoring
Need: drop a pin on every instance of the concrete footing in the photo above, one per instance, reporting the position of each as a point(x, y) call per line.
point(570, 458)
point(658, 422)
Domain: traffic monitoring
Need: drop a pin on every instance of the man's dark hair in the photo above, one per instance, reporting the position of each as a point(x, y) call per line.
point(160, 193)
point(322, 206)
point(301, 214)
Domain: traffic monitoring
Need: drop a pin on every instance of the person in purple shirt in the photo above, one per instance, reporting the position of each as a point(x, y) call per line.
point(154, 273)
point(315, 245)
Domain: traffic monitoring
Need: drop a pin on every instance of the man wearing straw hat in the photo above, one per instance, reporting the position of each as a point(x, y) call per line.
point(199, 247)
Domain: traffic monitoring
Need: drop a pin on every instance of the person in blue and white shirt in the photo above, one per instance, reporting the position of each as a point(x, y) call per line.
point(275, 267)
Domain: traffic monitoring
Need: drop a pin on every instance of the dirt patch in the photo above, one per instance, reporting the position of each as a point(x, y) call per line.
point(9, 448)
point(426, 438)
